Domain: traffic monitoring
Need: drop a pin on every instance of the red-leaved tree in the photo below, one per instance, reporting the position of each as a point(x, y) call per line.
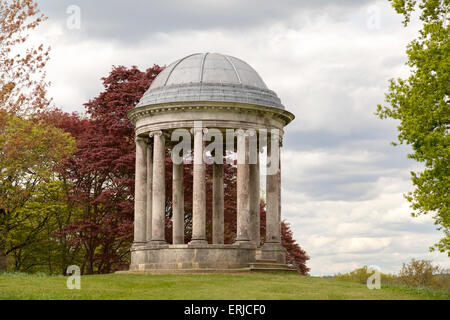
point(101, 171)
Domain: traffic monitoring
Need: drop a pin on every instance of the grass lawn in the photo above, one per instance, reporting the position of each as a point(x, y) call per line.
point(258, 286)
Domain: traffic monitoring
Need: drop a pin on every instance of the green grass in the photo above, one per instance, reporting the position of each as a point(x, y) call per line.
point(198, 286)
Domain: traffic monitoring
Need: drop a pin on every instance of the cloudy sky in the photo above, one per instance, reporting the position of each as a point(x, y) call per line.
point(329, 62)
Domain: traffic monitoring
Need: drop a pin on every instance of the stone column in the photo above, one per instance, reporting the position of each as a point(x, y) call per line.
point(159, 188)
point(140, 197)
point(272, 192)
point(254, 178)
point(279, 184)
point(149, 190)
point(243, 197)
point(178, 204)
point(199, 192)
point(217, 205)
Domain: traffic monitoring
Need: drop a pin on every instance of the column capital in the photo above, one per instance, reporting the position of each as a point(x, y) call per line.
point(245, 133)
point(155, 133)
point(276, 134)
point(195, 130)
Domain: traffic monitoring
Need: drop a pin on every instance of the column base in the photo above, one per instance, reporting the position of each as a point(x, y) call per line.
point(178, 241)
point(242, 243)
point(138, 245)
point(186, 258)
point(272, 251)
point(157, 242)
point(198, 241)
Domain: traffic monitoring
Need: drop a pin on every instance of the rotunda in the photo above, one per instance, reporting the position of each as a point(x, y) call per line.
point(199, 98)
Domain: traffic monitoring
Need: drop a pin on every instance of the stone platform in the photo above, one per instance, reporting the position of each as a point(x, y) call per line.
point(207, 258)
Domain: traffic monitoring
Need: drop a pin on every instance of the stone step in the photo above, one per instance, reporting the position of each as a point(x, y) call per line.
point(272, 270)
point(266, 260)
point(268, 265)
point(264, 265)
point(171, 271)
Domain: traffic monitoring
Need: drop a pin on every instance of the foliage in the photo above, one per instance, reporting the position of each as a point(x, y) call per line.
point(101, 173)
point(421, 273)
point(360, 275)
point(22, 83)
point(416, 273)
point(47, 252)
point(421, 103)
point(30, 151)
point(295, 254)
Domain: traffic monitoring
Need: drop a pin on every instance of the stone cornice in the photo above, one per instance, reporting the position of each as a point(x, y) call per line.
point(137, 113)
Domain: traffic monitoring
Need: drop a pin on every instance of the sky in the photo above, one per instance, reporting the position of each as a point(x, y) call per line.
point(328, 61)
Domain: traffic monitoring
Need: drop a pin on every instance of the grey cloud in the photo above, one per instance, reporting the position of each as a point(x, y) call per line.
point(345, 179)
point(323, 138)
point(133, 20)
point(395, 228)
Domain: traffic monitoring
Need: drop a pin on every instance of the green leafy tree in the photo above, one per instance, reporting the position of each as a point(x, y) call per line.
point(45, 248)
point(418, 273)
point(30, 151)
point(415, 273)
point(421, 103)
point(360, 275)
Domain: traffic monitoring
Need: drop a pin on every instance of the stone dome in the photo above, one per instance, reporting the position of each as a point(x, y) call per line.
point(209, 77)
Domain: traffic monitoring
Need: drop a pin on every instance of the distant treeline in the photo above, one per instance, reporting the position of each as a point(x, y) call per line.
point(416, 273)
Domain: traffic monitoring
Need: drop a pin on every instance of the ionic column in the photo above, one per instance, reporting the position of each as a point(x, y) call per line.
point(217, 205)
point(279, 184)
point(272, 190)
point(159, 188)
point(178, 204)
point(149, 190)
point(243, 197)
point(199, 192)
point(140, 197)
point(255, 202)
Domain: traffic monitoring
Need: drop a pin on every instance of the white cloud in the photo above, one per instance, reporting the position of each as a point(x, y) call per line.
point(379, 230)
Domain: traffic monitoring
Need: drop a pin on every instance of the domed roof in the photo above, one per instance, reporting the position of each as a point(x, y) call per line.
point(210, 77)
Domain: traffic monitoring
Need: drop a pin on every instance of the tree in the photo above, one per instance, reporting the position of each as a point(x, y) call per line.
point(360, 275)
point(22, 80)
point(101, 172)
point(421, 103)
point(295, 256)
point(418, 273)
point(32, 205)
point(30, 150)
point(45, 250)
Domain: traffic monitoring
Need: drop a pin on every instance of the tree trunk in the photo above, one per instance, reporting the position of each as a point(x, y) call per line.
point(3, 262)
